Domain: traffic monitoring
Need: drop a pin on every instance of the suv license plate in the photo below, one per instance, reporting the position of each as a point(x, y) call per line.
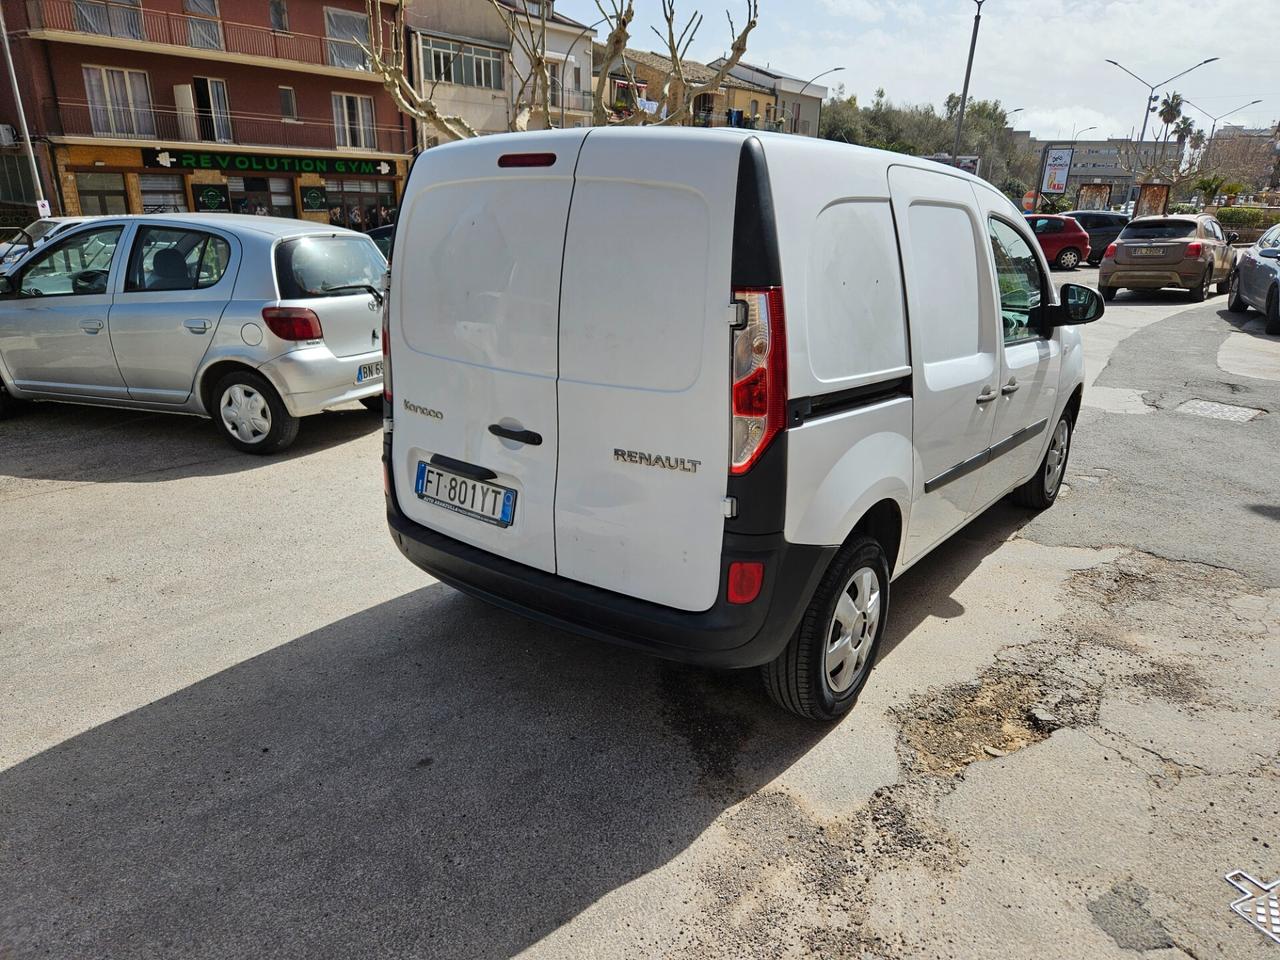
point(472, 498)
point(1147, 251)
point(369, 371)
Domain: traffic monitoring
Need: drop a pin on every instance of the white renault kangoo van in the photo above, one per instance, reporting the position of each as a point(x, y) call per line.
point(707, 393)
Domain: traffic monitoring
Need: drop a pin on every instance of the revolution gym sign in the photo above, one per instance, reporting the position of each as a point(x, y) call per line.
point(262, 163)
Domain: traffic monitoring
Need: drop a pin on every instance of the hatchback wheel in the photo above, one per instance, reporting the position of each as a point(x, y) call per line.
point(1041, 491)
point(251, 415)
point(1201, 293)
point(8, 405)
point(1068, 259)
point(1273, 313)
point(1235, 302)
point(1108, 293)
point(825, 666)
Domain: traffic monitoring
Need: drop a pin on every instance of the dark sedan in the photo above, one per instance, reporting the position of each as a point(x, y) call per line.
point(1102, 226)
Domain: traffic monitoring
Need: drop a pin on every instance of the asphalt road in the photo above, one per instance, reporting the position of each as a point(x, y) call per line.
point(234, 722)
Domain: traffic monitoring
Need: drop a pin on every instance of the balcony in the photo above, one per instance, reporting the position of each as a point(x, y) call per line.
point(579, 101)
point(164, 125)
point(121, 25)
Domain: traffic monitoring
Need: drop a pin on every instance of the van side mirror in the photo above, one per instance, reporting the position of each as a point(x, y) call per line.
point(1077, 304)
point(1232, 237)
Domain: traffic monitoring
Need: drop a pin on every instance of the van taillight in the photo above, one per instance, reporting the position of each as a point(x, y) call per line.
point(292, 323)
point(1193, 249)
point(759, 393)
point(386, 348)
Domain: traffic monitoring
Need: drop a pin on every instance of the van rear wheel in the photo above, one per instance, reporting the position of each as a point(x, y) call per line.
point(826, 664)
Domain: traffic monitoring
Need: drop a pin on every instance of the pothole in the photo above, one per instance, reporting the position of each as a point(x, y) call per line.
point(1001, 713)
point(1218, 411)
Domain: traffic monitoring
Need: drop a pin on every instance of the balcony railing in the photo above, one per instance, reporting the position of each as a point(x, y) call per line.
point(125, 21)
point(166, 125)
point(580, 100)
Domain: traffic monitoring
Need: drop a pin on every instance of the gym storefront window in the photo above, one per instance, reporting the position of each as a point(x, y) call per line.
point(262, 196)
point(101, 194)
point(361, 204)
point(162, 193)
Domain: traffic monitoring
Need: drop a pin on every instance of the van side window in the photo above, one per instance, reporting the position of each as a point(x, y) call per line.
point(1021, 284)
point(942, 236)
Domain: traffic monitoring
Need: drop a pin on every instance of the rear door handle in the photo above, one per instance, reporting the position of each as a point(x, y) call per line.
point(196, 325)
point(91, 326)
point(519, 436)
point(987, 395)
point(1010, 387)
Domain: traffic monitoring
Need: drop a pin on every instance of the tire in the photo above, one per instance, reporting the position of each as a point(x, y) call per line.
point(800, 680)
point(254, 419)
point(1108, 293)
point(8, 405)
point(1068, 259)
point(1201, 293)
point(1041, 491)
point(373, 404)
point(1235, 302)
point(1273, 313)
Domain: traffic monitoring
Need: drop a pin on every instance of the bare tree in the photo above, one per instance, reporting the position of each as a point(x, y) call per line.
point(534, 91)
point(675, 94)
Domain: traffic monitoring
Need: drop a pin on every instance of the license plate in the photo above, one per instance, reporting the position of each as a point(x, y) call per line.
point(473, 498)
point(369, 371)
point(1147, 251)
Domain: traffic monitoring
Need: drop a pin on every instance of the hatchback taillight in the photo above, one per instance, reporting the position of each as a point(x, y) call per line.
point(759, 393)
point(292, 323)
point(1110, 251)
point(1193, 249)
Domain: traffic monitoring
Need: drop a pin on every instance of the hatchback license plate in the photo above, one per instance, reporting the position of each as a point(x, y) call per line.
point(369, 371)
point(1147, 251)
point(473, 498)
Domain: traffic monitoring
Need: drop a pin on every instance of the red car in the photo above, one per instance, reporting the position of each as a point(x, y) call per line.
point(1064, 242)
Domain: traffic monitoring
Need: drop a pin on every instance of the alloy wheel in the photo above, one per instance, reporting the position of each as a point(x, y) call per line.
point(1056, 459)
point(245, 413)
point(853, 630)
point(1069, 259)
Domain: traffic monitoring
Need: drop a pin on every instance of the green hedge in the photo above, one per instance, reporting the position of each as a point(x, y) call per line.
point(1248, 217)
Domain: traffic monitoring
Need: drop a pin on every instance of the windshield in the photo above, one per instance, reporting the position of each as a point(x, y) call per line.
point(322, 266)
point(1159, 230)
point(37, 230)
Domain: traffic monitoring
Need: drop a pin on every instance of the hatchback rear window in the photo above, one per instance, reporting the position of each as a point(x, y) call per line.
point(1159, 230)
point(321, 266)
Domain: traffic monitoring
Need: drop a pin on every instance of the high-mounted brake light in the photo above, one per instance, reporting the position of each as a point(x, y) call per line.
point(292, 323)
point(1193, 249)
point(759, 392)
point(1110, 251)
point(527, 160)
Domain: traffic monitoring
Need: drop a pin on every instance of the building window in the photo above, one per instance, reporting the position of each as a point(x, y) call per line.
point(121, 18)
point(261, 196)
point(279, 15)
point(361, 204)
point(119, 102)
point(577, 78)
point(353, 121)
point(553, 70)
point(204, 29)
point(101, 194)
point(288, 104)
point(346, 31)
point(213, 109)
point(162, 193)
point(755, 108)
point(447, 62)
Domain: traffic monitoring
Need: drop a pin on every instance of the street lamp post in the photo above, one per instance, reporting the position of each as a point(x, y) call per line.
point(968, 70)
point(795, 119)
point(1222, 116)
point(1151, 88)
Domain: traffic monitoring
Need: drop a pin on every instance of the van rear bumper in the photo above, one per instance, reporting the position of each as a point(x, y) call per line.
point(727, 635)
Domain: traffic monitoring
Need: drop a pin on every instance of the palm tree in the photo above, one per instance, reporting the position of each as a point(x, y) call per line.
point(1198, 140)
point(1170, 111)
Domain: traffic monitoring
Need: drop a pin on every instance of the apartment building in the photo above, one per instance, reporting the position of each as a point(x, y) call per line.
point(462, 53)
point(799, 102)
point(250, 106)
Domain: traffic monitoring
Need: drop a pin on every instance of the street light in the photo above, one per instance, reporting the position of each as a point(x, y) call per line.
point(1151, 88)
point(1076, 133)
point(795, 120)
point(968, 69)
point(1213, 129)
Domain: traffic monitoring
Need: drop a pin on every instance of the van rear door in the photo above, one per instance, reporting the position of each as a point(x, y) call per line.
point(645, 364)
point(474, 339)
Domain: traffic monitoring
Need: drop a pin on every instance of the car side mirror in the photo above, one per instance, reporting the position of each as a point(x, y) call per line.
point(1270, 253)
point(1232, 237)
point(1078, 304)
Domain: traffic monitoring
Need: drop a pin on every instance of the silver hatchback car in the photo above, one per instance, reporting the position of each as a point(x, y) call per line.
point(252, 321)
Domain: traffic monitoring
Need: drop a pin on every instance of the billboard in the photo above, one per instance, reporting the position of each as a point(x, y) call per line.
point(1093, 196)
point(1057, 166)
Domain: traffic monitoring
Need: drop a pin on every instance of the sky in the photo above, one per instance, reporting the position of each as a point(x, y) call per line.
point(1045, 56)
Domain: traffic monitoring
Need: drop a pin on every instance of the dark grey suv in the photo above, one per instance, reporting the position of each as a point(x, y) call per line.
point(1102, 226)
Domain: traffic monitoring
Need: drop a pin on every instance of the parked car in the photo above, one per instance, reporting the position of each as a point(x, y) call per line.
point(1190, 251)
point(1065, 242)
point(19, 242)
point(725, 456)
point(1103, 227)
point(1255, 282)
point(383, 236)
point(252, 321)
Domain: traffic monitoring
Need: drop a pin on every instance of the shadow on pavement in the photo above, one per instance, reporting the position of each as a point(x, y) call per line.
point(1269, 510)
point(61, 441)
point(1252, 323)
point(430, 777)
